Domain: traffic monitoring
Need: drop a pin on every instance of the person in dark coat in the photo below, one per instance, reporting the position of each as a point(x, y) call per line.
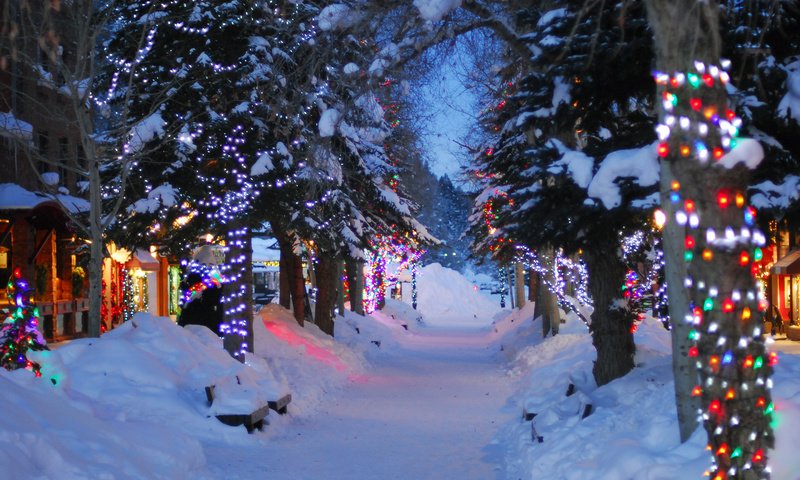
point(205, 309)
point(777, 320)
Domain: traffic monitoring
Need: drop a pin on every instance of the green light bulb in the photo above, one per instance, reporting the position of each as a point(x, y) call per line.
point(758, 363)
point(708, 305)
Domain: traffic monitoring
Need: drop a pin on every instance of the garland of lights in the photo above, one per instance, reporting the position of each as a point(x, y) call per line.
point(210, 277)
point(414, 268)
point(19, 332)
point(638, 290)
point(128, 295)
point(563, 270)
point(386, 249)
point(737, 410)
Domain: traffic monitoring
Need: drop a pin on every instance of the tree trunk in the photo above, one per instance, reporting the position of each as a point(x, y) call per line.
point(95, 252)
point(298, 288)
point(380, 276)
point(721, 286)
point(326, 292)
point(284, 292)
point(546, 301)
point(533, 285)
point(234, 293)
point(683, 367)
point(340, 286)
point(519, 273)
point(355, 278)
point(511, 293)
point(611, 324)
point(247, 279)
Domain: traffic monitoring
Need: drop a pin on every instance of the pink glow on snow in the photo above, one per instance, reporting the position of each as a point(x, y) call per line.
point(282, 332)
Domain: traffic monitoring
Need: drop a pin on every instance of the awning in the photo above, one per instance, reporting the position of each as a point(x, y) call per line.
point(144, 260)
point(788, 265)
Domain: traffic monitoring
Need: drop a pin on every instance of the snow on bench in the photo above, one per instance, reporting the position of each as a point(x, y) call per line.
point(281, 405)
point(251, 421)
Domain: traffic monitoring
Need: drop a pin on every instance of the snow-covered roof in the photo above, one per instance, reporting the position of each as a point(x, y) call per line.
point(12, 127)
point(14, 197)
point(265, 250)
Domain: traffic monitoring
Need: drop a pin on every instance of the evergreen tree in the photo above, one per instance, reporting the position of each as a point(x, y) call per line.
point(566, 128)
point(209, 65)
point(19, 332)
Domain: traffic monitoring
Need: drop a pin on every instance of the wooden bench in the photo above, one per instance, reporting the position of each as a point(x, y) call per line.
point(281, 405)
point(251, 421)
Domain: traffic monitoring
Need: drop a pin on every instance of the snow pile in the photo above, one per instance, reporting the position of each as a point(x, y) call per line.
point(578, 164)
point(129, 405)
point(435, 10)
point(145, 131)
point(641, 164)
point(769, 195)
point(162, 196)
point(371, 334)
point(337, 16)
point(632, 429)
point(328, 121)
point(446, 299)
point(790, 103)
point(747, 151)
point(310, 362)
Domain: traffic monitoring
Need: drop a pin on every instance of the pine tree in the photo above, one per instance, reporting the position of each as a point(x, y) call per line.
point(208, 63)
point(19, 332)
point(562, 126)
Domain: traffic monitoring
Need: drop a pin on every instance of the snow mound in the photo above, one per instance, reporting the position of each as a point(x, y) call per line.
point(129, 405)
point(308, 361)
point(789, 107)
point(446, 298)
point(435, 10)
point(634, 415)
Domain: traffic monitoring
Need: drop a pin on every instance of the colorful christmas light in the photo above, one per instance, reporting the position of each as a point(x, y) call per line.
point(19, 332)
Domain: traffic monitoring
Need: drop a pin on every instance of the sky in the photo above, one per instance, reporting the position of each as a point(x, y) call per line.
point(452, 106)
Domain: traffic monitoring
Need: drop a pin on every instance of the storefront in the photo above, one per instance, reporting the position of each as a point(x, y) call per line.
point(785, 286)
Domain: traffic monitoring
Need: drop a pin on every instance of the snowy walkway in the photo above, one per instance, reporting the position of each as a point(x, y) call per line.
point(429, 411)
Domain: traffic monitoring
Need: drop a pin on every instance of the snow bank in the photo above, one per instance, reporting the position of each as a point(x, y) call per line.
point(632, 431)
point(309, 362)
point(129, 405)
point(446, 298)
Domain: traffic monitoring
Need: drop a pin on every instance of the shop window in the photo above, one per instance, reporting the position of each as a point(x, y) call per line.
point(174, 287)
point(5, 253)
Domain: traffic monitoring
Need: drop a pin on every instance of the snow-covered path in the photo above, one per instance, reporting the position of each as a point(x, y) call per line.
point(427, 411)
